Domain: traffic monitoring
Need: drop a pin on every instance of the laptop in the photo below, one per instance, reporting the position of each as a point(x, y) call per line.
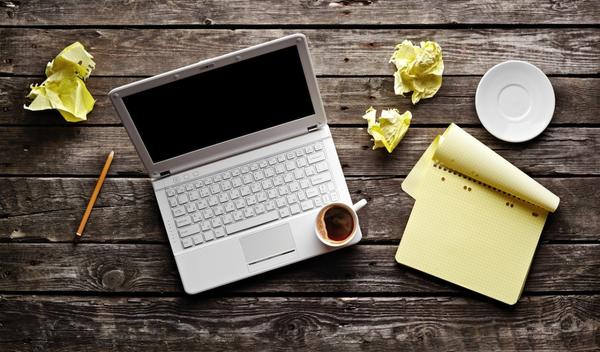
point(240, 158)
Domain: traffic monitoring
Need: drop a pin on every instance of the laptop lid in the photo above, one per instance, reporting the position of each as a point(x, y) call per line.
point(222, 106)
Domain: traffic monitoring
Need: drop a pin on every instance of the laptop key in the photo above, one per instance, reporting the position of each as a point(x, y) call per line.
point(223, 197)
point(220, 232)
point(240, 203)
point(248, 212)
point(178, 211)
point(229, 207)
point(318, 179)
point(219, 209)
point(312, 192)
point(183, 220)
point(259, 208)
point(272, 193)
point(197, 216)
point(283, 212)
point(313, 158)
point(182, 198)
point(213, 200)
point(198, 239)
point(187, 242)
point(301, 195)
point(252, 222)
point(234, 194)
point(209, 236)
point(201, 204)
point(306, 205)
point(204, 192)
point(226, 185)
point(189, 230)
point(322, 166)
point(194, 195)
point(318, 202)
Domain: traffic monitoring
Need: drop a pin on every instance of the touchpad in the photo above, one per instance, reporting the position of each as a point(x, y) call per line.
point(268, 244)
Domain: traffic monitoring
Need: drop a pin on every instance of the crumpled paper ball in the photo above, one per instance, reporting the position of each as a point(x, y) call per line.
point(418, 69)
point(64, 89)
point(389, 129)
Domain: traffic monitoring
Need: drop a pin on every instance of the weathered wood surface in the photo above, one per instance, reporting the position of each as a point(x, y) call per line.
point(134, 52)
point(72, 323)
point(305, 12)
point(49, 210)
point(118, 288)
point(345, 100)
point(363, 269)
point(80, 150)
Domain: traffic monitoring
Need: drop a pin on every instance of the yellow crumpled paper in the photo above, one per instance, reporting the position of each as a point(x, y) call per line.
point(389, 130)
point(64, 89)
point(418, 69)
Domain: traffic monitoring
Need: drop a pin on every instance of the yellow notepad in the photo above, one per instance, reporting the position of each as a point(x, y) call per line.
point(477, 218)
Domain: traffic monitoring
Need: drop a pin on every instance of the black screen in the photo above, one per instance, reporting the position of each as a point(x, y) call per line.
point(221, 104)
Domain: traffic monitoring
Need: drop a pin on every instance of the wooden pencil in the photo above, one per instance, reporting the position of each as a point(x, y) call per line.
point(92, 201)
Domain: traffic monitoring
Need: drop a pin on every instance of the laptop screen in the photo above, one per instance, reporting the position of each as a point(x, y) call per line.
point(221, 104)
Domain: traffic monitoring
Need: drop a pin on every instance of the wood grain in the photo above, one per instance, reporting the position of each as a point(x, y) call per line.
point(72, 323)
point(48, 210)
point(139, 52)
point(274, 12)
point(80, 150)
point(363, 269)
point(345, 100)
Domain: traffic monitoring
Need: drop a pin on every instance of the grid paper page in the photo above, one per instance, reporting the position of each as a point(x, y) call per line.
point(467, 232)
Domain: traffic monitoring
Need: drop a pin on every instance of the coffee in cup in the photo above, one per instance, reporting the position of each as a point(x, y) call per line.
point(336, 223)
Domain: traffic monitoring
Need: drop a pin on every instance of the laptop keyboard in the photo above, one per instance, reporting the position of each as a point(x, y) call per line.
point(275, 187)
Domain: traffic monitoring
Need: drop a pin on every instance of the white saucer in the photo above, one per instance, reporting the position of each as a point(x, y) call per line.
point(515, 101)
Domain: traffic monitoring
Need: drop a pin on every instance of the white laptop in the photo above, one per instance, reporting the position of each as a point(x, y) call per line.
point(240, 157)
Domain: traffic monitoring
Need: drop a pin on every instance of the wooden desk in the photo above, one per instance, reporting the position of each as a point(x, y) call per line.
point(118, 289)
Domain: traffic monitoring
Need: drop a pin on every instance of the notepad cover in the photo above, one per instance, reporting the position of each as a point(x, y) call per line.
point(468, 232)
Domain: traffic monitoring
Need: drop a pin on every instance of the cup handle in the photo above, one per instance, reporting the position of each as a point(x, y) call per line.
point(361, 203)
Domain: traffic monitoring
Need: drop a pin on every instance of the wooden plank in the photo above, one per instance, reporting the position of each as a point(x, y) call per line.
point(363, 269)
point(546, 323)
point(80, 150)
point(134, 52)
point(345, 100)
point(49, 210)
point(273, 12)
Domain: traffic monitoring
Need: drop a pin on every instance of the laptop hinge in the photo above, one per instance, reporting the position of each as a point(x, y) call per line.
point(165, 174)
point(313, 128)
